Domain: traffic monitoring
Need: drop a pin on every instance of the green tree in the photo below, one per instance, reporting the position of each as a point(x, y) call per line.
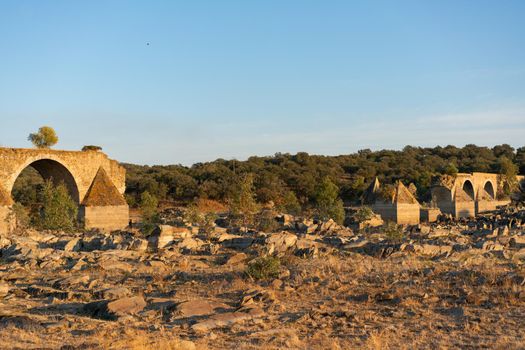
point(243, 203)
point(59, 211)
point(328, 203)
point(520, 159)
point(148, 207)
point(290, 204)
point(46, 137)
point(508, 171)
point(451, 169)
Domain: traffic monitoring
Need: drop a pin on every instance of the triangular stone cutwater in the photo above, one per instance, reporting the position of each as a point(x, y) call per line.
point(103, 192)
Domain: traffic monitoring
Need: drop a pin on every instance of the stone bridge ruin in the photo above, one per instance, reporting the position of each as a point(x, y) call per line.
point(466, 195)
point(95, 182)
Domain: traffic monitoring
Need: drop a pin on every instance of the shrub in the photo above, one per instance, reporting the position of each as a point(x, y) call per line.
point(148, 207)
point(208, 223)
point(328, 203)
point(264, 268)
point(507, 178)
point(393, 232)
point(20, 215)
point(131, 200)
point(243, 204)
point(150, 217)
point(59, 211)
point(266, 221)
point(290, 204)
point(364, 213)
point(192, 214)
point(91, 148)
point(451, 169)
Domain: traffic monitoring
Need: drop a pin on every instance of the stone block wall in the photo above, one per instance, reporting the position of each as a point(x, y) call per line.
point(429, 214)
point(107, 219)
point(465, 209)
point(484, 206)
point(387, 211)
point(400, 213)
point(407, 214)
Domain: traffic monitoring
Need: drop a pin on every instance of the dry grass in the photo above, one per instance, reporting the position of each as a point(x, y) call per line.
point(339, 300)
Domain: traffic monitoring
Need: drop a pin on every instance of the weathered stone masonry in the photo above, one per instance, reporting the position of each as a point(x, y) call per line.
point(94, 181)
point(469, 194)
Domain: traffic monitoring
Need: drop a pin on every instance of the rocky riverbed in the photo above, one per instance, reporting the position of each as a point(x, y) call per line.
point(446, 285)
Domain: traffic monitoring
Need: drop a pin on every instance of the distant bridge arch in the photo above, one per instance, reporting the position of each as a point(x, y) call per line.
point(470, 194)
point(488, 189)
point(468, 188)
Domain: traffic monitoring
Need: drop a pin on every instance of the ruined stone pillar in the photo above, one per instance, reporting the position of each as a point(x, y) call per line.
point(104, 207)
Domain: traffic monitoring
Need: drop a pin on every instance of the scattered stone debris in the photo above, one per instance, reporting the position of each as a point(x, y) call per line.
point(335, 287)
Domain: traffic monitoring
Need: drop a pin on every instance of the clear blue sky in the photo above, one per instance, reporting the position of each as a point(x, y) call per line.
point(238, 78)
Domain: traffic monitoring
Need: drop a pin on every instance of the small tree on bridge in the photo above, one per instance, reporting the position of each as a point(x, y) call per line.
point(46, 137)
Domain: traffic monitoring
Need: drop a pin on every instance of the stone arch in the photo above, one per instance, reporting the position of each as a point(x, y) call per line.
point(51, 169)
point(468, 188)
point(489, 189)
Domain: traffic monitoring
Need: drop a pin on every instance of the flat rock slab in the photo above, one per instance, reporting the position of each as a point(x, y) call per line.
point(228, 318)
point(236, 259)
point(112, 310)
point(192, 308)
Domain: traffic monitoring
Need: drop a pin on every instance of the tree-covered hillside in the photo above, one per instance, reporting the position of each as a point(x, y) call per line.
point(284, 177)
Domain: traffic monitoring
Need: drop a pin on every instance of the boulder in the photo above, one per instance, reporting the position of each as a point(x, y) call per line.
point(73, 245)
point(139, 244)
point(286, 220)
point(280, 242)
point(228, 318)
point(424, 229)
point(306, 247)
point(236, 259)
point(374, 221)
point(235, 241)
point(190, 243)
point(192, 308)
point(432, 250)
point(161, 237)
point(112, 310)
